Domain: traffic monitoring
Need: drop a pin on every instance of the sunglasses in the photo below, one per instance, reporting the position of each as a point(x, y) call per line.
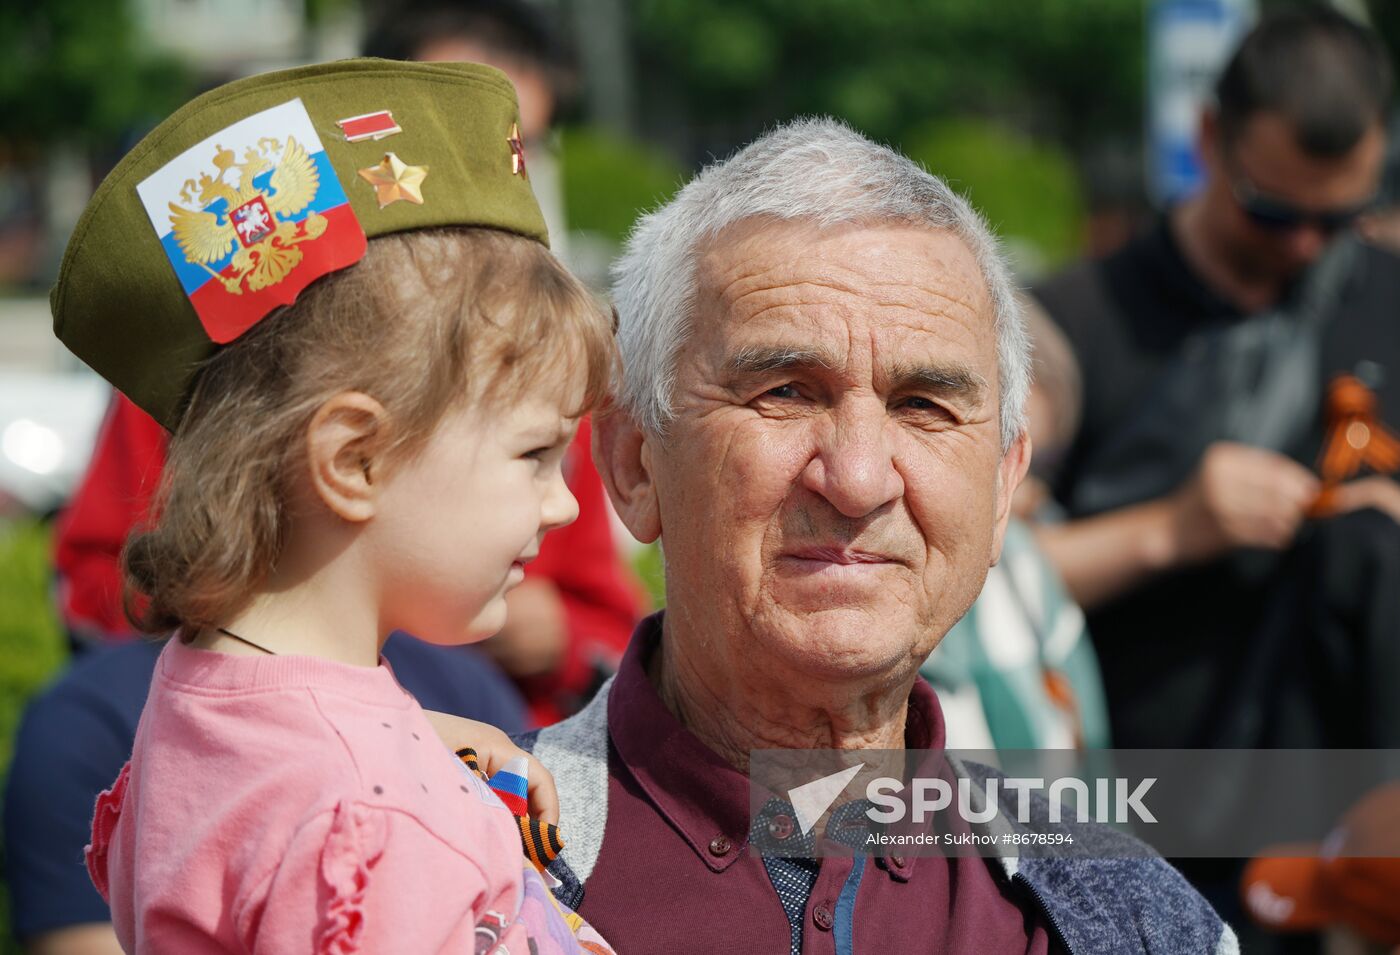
point(1277, 215)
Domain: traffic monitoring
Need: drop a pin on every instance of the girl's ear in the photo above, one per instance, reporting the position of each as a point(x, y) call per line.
point(622, 455)
point(345, 446)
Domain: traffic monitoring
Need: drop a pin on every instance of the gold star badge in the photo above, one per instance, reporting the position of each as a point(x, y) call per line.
point(393, 180)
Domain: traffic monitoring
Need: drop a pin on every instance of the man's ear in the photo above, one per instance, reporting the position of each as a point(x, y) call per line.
point(1010, 472)
point(345, 445)
point(623, 455)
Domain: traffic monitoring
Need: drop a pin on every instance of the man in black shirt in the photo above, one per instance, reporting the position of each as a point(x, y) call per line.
point(1224, 612)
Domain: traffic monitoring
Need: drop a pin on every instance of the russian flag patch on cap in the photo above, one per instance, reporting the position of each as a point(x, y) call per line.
point(250, 216)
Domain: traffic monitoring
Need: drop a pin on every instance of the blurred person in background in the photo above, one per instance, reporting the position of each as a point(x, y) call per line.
point(1222, 612)
point(1347, 885)
point(1382, 224)
point(517, 37)
point(1018, 671)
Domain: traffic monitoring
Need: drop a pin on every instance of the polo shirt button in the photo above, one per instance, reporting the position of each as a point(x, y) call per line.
point(821, 916)
point(898, 861)
point(780, 827)
point(720, 846)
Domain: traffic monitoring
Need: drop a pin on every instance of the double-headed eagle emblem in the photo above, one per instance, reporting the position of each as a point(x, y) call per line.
point(267, 245)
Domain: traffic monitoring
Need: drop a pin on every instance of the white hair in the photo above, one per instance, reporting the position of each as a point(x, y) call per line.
point(817, 170)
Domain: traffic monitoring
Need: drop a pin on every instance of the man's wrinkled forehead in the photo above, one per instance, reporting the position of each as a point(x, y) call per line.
point(911, 294)
point(933, 269)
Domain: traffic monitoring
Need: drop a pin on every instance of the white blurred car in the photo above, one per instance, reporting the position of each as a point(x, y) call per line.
point(48, 425)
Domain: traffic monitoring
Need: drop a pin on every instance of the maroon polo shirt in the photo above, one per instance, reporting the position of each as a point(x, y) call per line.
point(674, 875)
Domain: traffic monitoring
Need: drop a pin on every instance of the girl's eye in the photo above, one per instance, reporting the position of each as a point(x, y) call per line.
point(539, 454)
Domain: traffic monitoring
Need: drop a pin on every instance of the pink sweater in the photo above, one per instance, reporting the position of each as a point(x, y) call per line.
point(292, 804)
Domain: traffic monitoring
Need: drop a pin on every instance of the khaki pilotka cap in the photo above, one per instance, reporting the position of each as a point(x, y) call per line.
point(223, 234)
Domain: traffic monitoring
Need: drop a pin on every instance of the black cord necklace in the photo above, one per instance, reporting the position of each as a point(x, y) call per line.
point(255, 646)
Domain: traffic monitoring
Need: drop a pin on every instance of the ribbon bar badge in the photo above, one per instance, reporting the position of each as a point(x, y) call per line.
point(369, 126)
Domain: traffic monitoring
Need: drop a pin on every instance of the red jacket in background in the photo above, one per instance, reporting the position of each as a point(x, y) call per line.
point(602, 600)
point(112, 498)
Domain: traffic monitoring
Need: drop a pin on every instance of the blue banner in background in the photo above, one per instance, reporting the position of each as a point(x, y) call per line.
point(1188, 43)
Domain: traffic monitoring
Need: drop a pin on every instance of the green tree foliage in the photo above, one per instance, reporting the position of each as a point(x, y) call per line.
point(29, 628)
point(1027, 190)
point(943, 80)
point(609, 181)
point(1067, 69)
point(34, 646)
point(75, 71)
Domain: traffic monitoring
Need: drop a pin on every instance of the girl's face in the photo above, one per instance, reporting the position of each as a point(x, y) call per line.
point(458, 521)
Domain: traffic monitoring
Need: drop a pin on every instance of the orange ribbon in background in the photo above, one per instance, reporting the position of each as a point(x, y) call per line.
point(1356, 438)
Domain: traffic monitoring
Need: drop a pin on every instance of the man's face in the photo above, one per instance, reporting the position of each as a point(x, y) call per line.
point(832, 489)
point(532, 88)
point(1265, 162)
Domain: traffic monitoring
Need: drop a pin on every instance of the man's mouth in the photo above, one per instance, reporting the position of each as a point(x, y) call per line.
point(843, 556)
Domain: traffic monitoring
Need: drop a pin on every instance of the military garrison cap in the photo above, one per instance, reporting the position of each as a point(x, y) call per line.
point(252, 191)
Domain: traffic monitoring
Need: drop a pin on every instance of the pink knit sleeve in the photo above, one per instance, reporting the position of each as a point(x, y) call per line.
point(366, 879)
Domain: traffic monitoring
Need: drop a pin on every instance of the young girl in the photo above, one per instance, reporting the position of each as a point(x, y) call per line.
point(382, 454)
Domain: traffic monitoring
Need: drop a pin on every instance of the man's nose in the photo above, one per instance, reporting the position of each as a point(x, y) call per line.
point(853, 468)
point(560, 507)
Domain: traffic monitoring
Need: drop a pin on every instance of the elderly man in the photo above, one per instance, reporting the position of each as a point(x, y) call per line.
point(821, 418)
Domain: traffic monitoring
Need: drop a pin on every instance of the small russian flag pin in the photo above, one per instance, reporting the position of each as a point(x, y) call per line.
point(369, 126)
point(511, 784)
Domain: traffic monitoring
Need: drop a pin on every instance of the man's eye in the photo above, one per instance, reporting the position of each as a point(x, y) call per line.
point(916, 403)
point(783, 391)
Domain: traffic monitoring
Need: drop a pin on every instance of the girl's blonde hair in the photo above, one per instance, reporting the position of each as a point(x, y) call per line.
point(424, 323)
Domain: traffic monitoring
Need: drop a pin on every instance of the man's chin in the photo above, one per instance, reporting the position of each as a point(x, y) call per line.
point(845, 643)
